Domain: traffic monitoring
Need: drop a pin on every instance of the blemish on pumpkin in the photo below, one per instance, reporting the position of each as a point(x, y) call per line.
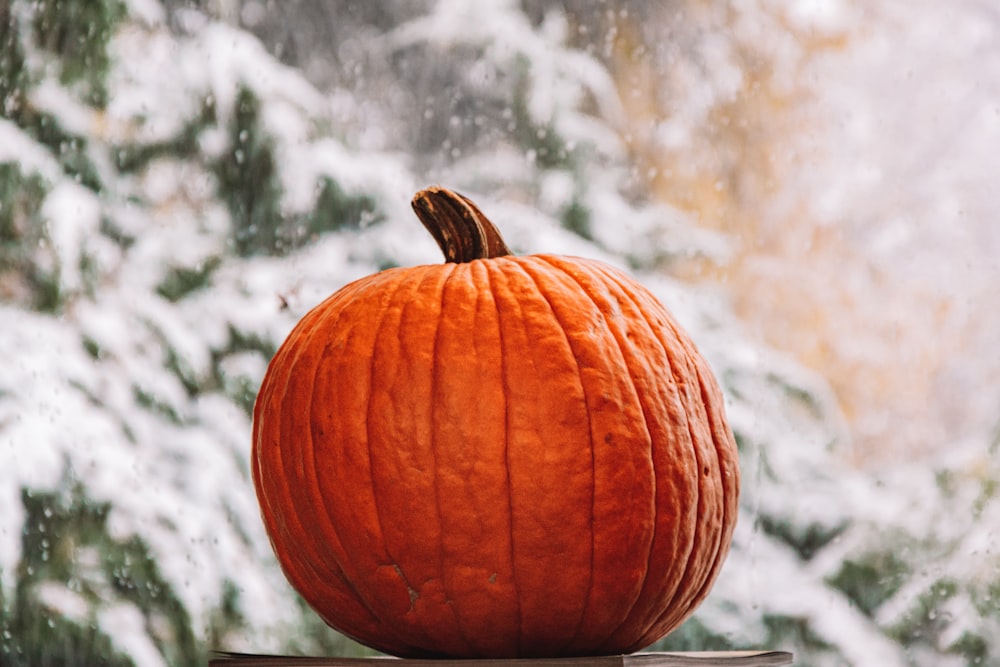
point(414, 595)
point(493, 578)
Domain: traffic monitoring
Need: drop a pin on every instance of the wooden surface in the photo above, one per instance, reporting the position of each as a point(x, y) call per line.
point(687, 659)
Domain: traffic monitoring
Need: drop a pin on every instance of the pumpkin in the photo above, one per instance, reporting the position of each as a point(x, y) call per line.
point(499, 456)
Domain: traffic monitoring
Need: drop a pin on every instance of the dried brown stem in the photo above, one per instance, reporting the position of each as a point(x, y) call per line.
point(461, 230)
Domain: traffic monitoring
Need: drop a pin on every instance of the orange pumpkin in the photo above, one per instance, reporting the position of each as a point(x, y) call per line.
point(498, 456)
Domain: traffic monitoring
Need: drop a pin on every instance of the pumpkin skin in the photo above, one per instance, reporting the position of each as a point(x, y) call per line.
point(500, 457)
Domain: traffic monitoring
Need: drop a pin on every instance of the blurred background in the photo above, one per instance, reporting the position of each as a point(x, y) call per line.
point(809, 185)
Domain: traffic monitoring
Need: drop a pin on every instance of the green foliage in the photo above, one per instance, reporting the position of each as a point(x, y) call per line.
point(314, 637)
point(55, 30)
point(870, 579)
point(248, 182)
point(987, 492)
point(242, 390)
point(181, 281)
point(66, 543)
point(806, 540)
point(22, 236)
point(693, 635)
point(973, 648)
point(986, 599)
point(540, 140)
point(131, 157)
point(790, 631)
point(151, 402)
point(335, 209)
point(576, 218)
point(923, 623)
point(799, 397)
point(69, 150)
point(33, 635)
point(92, 348)
point(78, 32)
point(13, 75)
point(20, 221)
point(226, 616)
point(187, 375)
point(947, 482)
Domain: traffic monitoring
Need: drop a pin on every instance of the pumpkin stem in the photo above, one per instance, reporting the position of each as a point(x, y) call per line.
point(461, 230)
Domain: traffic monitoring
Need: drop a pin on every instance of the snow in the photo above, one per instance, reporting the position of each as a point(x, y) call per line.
point(559, 78)
point(224, 56)
point(72, 214)
point(63, 601)
point(74, 116)
point(778, 587)
point(149, 12)
point(18, 147)
point(126, 624)
point(912, 111)
point(828, 15)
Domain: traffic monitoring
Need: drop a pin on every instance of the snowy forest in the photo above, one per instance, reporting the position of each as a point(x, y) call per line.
point(809, 186)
